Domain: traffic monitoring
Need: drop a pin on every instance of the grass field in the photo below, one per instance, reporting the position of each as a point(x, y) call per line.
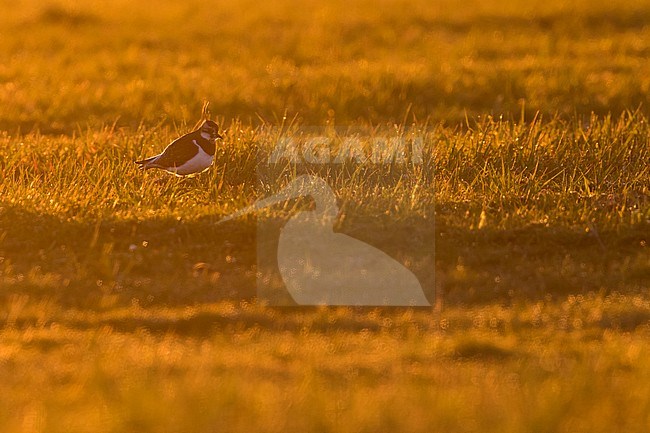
point(125, 307)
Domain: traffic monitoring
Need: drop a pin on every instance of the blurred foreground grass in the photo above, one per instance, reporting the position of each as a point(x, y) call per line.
point(577, 365)
point(124, 307)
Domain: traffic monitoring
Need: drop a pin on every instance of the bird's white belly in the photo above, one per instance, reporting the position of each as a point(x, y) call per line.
point(200, 162)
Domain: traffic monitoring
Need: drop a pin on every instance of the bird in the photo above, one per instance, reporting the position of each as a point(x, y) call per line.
point(192, 153)
point(321, 267)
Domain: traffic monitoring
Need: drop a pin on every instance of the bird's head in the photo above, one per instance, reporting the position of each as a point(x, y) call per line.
point(306, 185)
point(210, 130)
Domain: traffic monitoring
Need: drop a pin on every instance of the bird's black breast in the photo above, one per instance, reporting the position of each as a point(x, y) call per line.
point(208, 146)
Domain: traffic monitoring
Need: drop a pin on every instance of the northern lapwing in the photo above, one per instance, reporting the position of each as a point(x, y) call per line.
point(192, 153)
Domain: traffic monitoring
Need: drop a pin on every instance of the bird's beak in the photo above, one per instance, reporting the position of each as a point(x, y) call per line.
point(219, 136)
point(260, 204)
point(301, 187)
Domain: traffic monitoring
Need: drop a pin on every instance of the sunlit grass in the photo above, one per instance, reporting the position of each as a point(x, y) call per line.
point(67, 65)
point(237, 367)
point(124, 306)
point(118, 286)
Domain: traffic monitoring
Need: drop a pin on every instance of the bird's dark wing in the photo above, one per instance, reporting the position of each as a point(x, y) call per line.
point(178, 152)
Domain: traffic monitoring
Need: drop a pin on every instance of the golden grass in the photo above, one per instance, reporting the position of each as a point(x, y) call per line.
point(69, 65)
point(125, 307)
point(234, 367)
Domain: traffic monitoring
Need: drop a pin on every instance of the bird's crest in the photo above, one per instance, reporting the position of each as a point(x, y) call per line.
point(205, 113)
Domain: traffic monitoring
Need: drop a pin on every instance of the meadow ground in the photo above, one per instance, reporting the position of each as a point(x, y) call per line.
point(125, 307)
